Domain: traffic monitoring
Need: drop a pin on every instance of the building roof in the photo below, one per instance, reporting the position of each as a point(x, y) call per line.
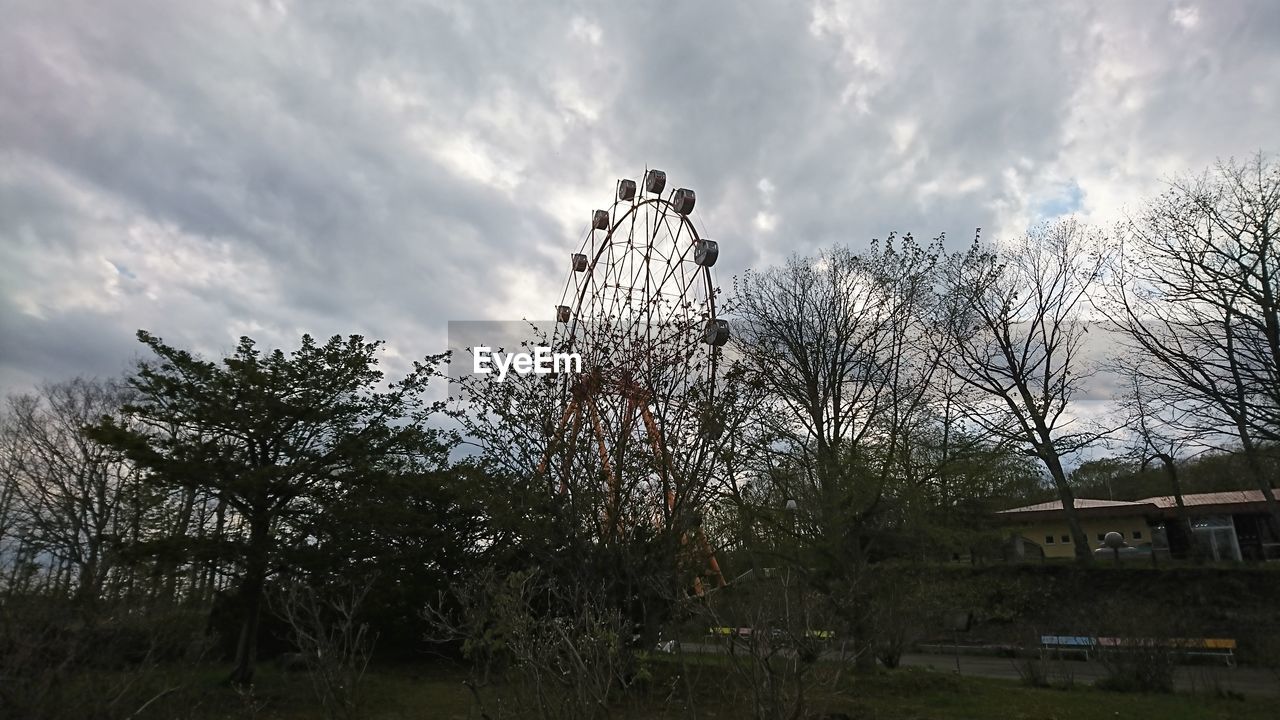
point(1080, 503)
point(1146, 505)
point(1233, 497)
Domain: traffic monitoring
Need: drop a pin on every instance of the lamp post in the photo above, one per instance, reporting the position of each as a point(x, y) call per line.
point(790, 510)
point(1115, 541)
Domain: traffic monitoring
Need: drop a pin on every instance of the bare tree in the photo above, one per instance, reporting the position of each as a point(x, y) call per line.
point(1016, 319)
point(1196, 296)
point(11, 547)
point(1158, 435)
point(333, 642)
point(842, 346)
point(69, 494)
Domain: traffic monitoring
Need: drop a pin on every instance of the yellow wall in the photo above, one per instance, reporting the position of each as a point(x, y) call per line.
point(1036, 532)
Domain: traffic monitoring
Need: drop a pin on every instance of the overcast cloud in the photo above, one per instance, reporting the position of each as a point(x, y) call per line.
point(207, 170)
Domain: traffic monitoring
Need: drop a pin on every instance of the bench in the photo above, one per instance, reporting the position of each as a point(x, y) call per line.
point(1221, 647)
point(1211, 647)
point(1224, 648)
point(1067, 643)
point(728, 632)
point(745, 632)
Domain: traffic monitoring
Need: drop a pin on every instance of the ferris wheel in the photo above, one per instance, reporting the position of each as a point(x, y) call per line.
point(638, 427)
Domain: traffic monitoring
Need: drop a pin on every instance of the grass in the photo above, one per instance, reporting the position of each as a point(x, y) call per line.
point(911, 693)
point(413, 692)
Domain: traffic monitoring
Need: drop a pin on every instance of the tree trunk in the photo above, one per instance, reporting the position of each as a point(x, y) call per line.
point(1184, 517)
point(1078, 538)
point(864, 631)
point(251, 602)
point(87, 588)
point(1264, 484)
point(864, 636)
point(180, 530)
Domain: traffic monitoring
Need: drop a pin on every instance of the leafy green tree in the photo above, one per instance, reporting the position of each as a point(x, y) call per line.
point(1103, 476)
point(277, 437)
point(412, 536)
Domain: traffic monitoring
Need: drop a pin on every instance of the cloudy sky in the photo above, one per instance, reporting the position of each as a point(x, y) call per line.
point(269, 167)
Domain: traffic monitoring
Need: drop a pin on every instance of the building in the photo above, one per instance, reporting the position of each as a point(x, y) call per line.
point(1229, 525)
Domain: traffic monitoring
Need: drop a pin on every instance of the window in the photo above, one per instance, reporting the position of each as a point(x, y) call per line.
point(1213, 521)
point(1066, 538)
point(1048, 539)
point(1137, 534)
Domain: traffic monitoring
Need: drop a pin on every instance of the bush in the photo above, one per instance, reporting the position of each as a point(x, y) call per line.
point(1033, 671)
point(1143, 650)
point(60, 659)
point(539, 647)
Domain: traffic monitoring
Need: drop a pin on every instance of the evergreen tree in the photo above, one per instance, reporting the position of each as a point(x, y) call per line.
point(277, 437)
